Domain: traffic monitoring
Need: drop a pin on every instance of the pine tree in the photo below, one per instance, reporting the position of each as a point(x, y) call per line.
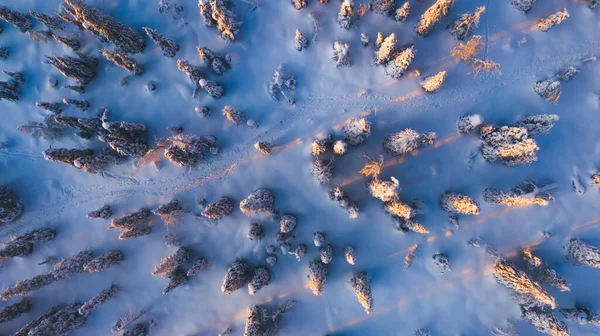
point(287, 223)
point(356, 131)
point(384, 7)
point(338, 195)
point(442, 262)
point(52, 22)
point(464, 26)
point(523, 5)
point(217, 63)
point(58, 321)
point(22, 245)
point(235, 277)
point(317, 275)
point(525, 194)
point(10, 206)
point(326, 254)
point(72, 265)
point(433, 15)
point(15, 310)
point(511, 145)
point(125, 38)
point(126, 138)
point(133, 224)
point(548, 89)
point(82, 105)
point(282, 82)
point(19, 20)
point(105, 212)
point(362, 290)
point(400, 143)
point(341, 55)
point(543, 273)
point(4, 53)
point(321, 146)
point(537, 124)
point(260, 322)
point(68, 41)
point(176, 278)
point(263, 147)
point(346, 17)
point(322, 170)
point(462, 204)
point(433, 83)
point(233, 115)
point(55, 108)
point(299, 4)
point(300, 42)
point(581, 253)
point(581, 315)
point(340, 147)
point(201, 264)
point(168, 264)
point(319, 239)
point(256, 232)
point(260, 200)
point(552, 20)
point(469, 123)
point(260, 278)
point(213, 89)
point(170, 212)
point(216, 13)
point(400, 63)
point(24, 287)
point(104, 261)
point(219, 209)
point(526, 292)
point(122, 60)
point(9, 91)
point(98, 300)
point(81, 69)
point(402, 12)
point(545, 321)
point(40, 36)
point(138, 330)
point(349, 254)
point(171, 240)
point(168, 46)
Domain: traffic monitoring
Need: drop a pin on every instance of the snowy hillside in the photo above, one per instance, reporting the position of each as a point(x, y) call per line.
point(156, 131)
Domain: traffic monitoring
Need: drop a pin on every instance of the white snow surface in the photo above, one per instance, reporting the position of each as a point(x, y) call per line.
point(466, 301)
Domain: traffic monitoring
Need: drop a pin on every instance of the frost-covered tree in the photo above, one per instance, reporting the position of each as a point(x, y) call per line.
point(104, 261)
point(347, 17)
point(523, 5)
point(509, 330)
point(255, 232)
point(168, 46)
point(548, 89)
point(402, 215)
point(82, 105)
point(300, 42)
point(326, 254)
point(201, 264)
point(271, 259)
point(341, 54)
point(55, 108)
point(48, 130)
point(581, 315)
point(24, 287)
point(9, 91)
point(525, 194)
point(15, 310)
point(69, 41)
point(385, 49)
point(263, 147)
point(402, 12)
point(543, 273)
point(384, 7)
point(442, 262)
point(410, 257)
point(138, 330)
point(299, 252)
point(219, 209)
point(217, 63)
point(171, 240)
point(349, 254)
point(58, 321)
point(72, 265)
point(100, 299)
point(40, 36)
point(226, 332)
point(356, 131)
point(321, 146)
point(385, 191)
point(81, 69)
point(19, 20)
point(184, 150)
point(260, 200)
point(299, 4)
point(260, 322)
point(545, 321)
point(338, 195)
point(235, 277)
point(434, 82)
point(362, 289)
point(52, 22)
point(526, 292)
point(287, 223)
point(170, 212)
point(126, 138)
point(216, 14)
point(462, 204)
point(260, 278)
point(213, 89)
point(468, 123)
point(464, 26)
point(4, 53)
point(340, 147)
point(364, 39)
point(133, 224)
point(581, 253)
point(422, 332)
point(317, 277)
point(433, 15)
point(193, 72)
point(511, 145)
point(400, 62)
point(538, 124)
point(85, 160)
point(282, 82)
point(319, 239)
point(552, 20)
point(67, 156)
point(169, 263)
point(399, 143)
point(121, 59)
point(233, 115)
point(105, 212)
point(285, 248)
point(567, 73)
point(322, 170)
point(176, 278)
point(125, 38)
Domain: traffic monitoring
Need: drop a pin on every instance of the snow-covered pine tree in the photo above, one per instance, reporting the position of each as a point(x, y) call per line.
point(548, 89)
point(138, 330)
point(319, 239)
point(464, 26)
point(235, 277)
point(216, 14)
point(581, 315)
point(104, 261)
point(338, 195)
point(72, 265)
point(52, 22)
point(442, 262)
point(261, 277)
point(385, 49)
point(545, 321)
point(199, 265)
point(105, 212)
point(462, 204)
point(260, 200)
point(526, 292)
point(581, 253)
point(11, 207)
point(432, 16)
point(233, 115)
point(468, 123)
point(326, 254)
point(543, 273)
point(176, 278)
point(346, 17)
point(260, 322)
point(523, 5)
point(552, 20)
point(170, 212)
point(400, 62)
point(58, 321)
point(322, 170)
point(511, 145)
point(218, 63)
point(255, 232)
point(362, 289)
point(538, 124)
point(356, 131)
point(300, 42)
point(349, 254)
point(399, 143)
point(55, 108)
point(69, 41)
point(219, 209)
point(341, 54)
point(169, 263)
point(125, 38)
point(19, 20)
point(82, 105)
point(287, 223)
point(168, 46)
point(15, 310)
point(81, 69)
point(103, 297)
point(122, 60)
point(213, 89)
point(434, 82)
point(525, 194)
point(282, 82)
point(384, 7)
point(317, 277)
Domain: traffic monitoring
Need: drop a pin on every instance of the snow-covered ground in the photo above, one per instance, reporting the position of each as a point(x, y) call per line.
point(465, 301)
